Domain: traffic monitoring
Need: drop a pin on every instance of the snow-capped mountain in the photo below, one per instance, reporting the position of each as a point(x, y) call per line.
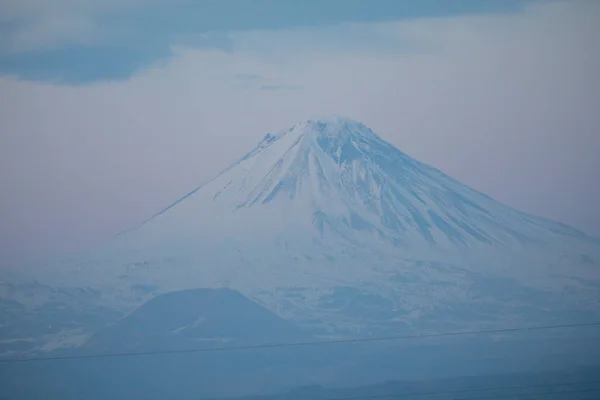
point(330, 226)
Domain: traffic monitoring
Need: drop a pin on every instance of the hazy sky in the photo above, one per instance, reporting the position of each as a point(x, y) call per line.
point(110, 110)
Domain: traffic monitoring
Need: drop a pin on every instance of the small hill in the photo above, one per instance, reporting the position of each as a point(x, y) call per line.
point(192, 319)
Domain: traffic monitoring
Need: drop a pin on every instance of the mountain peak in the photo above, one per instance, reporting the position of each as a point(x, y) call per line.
point(340, 138)
point(333, 127)
point(336, 122)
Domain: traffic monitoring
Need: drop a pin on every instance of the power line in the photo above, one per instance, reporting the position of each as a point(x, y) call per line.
point(467, 391)
point(299, 344)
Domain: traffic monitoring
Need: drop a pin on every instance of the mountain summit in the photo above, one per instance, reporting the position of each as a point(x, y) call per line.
point(330, 226)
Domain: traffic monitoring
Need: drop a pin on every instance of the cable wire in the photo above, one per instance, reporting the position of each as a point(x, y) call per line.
point(299, 344)
point(521, 395)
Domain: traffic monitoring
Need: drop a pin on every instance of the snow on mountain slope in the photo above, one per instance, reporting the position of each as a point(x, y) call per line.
point(347, 180)
point(329, 225)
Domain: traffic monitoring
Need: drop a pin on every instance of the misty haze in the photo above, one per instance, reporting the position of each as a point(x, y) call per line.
point(271, 200)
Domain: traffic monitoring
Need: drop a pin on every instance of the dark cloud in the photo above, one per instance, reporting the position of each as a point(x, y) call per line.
point(87, 41)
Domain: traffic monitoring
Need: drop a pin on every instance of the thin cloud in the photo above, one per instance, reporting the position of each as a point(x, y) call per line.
point(278, 87)
point(248, 77)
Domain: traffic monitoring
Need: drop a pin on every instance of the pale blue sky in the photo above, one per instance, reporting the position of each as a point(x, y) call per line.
point(110, 110)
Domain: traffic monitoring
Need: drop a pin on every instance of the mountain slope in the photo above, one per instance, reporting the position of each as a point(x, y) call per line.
point(330, 226)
